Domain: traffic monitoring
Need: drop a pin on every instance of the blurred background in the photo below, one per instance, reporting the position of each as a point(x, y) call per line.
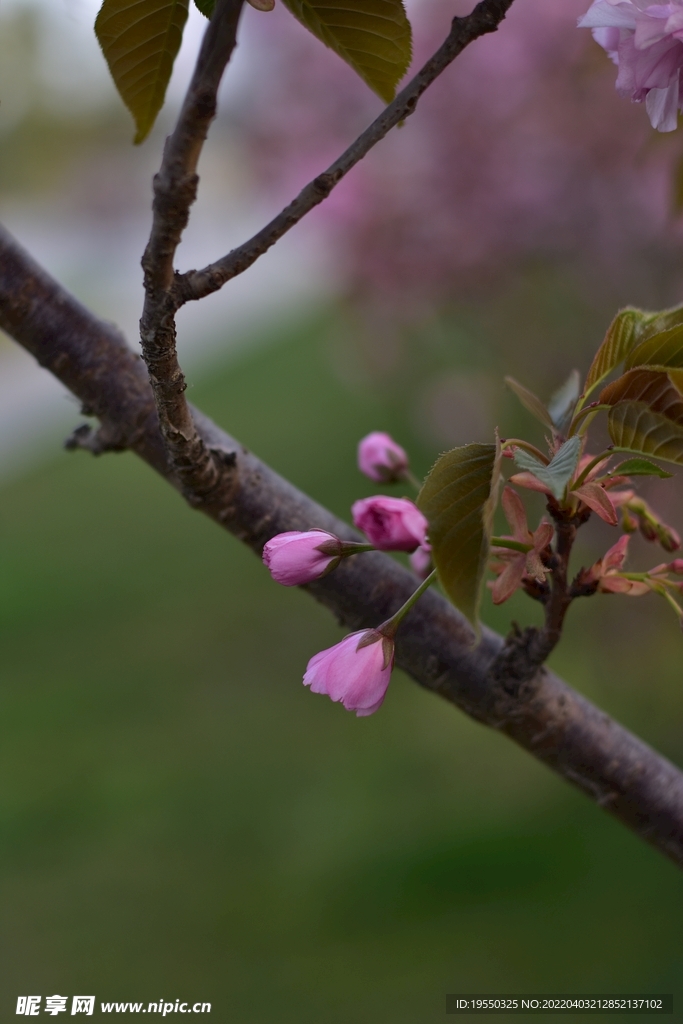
point(179, 818)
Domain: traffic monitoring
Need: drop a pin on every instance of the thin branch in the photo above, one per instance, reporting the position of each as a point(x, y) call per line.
point(525, 651)
point(175, 189)
point(485, 18)
point(435, 646)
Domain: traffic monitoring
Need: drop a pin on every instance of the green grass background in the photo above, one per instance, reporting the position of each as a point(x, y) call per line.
point(180, 818)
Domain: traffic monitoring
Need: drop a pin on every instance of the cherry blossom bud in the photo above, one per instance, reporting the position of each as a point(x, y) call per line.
point(421, 561)
point(381, 459)
point(355, 671)
point(294, 558)
point(668, 537)
point(676, 566)
point(391, 524)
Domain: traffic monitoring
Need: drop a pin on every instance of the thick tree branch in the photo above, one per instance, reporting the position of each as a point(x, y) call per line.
point(545, 716)
point(486, 17)
point(175, 189)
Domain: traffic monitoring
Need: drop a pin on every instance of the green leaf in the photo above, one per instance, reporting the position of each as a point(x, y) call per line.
point(140, 40)
point(663, 349)
point(640, 467)
point(623, 333)
point(634, 427)
point(658, 322)
point(557, 474)
point(652, 387)
point(530, 402)
point(372, 36)
point(205, 6)
point(561, 405)
point(458, 499)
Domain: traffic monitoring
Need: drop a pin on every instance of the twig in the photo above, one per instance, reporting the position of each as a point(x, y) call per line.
point(175, 189)
point(485, 18)
point(554, 723)
point(515, 670)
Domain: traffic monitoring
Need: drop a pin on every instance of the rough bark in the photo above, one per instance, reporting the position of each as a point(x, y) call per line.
point(434, 646)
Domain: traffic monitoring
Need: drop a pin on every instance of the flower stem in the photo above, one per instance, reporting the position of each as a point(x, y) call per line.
point(411, 479)
point(389, 627)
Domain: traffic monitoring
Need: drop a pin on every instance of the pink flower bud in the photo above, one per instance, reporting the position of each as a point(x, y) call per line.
point(668, 537)
point(676, 566)
point(294, 558)
point(421, 561)
point(381, 459)
point(355, 671)
point(391, 524)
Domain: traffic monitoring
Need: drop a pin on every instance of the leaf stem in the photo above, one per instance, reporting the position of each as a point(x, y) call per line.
point(514, 545)
point(508, 442)
point(591, 466)
point(579, 416)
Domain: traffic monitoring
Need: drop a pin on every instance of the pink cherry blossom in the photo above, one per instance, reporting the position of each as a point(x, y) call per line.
point(421, 561)
point(514, 566)
point(294, 557)
point(380, 458)
point(355, 671)
point(391, 524)
point(645, 41)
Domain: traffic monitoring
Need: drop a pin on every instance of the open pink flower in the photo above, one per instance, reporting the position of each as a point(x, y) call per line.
point(294, 557)
point(380, 458)
point(355, 671)
point(514, 566)
point(391, 524)
point(645, 41)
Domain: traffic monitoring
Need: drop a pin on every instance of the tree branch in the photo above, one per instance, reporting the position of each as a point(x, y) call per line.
point(435, 645)
point(175, 189)
point(485, 18)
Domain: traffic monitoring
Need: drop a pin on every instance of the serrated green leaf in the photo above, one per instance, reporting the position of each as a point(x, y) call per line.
point(205, 6)
point(140, 40)
point(662, 321)
point(557, 474)
point(634, 427)
point(530, 401)
point(652, 387)
point(372, 36)
point(561, 405)
point(640, 467)
point(458, 498)
point(662, 349)
point(623, 333)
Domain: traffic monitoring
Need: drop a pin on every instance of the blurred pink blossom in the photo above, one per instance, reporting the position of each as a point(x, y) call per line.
point(355, 671)
point(380, 458)
point(645, 42)
point(521, 151)
point(391, 524)
point(421, 561)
